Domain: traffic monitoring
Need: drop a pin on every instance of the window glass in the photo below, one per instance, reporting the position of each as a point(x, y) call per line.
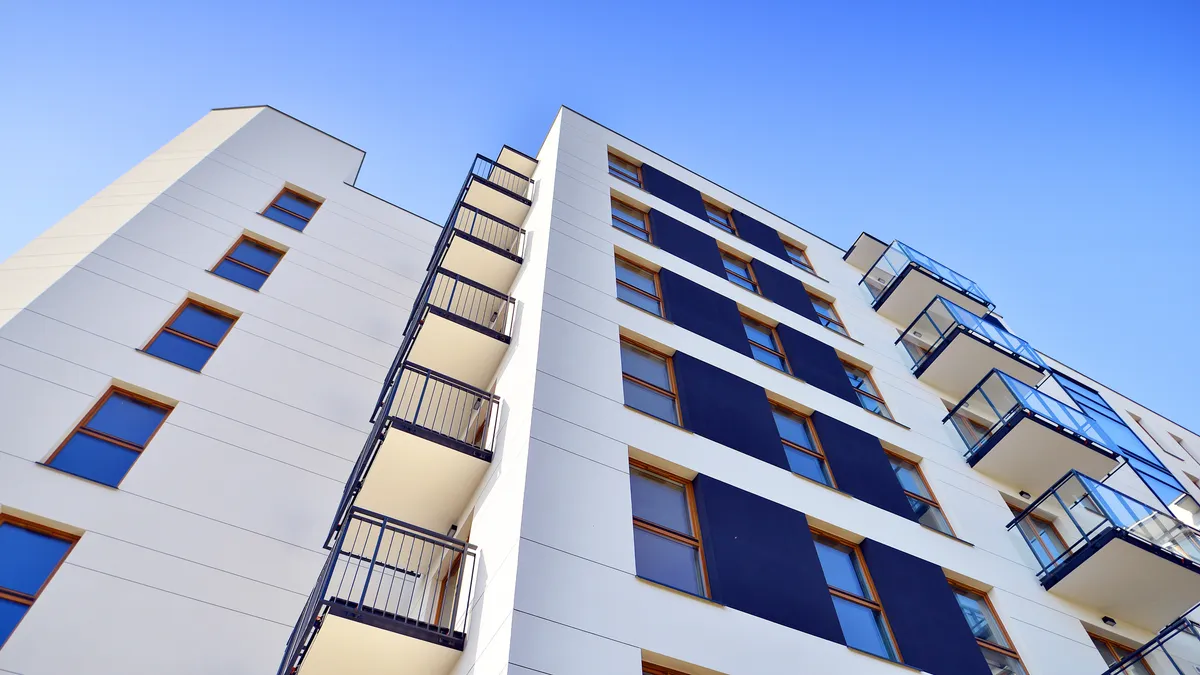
point(909, 476)
point(11, 614)
point(256, 255)
point(637, 287)
point(624, 170)
point(979, 617)
point(759, 333)
point(127, 419)
point(292, 210)
point(201, 323)
point(650, 402)
point(93, 456)
point(868, 397)
point(95, 459)
point(240, 274)
point(28, 558)
point(826, 315)
point(629, 220)
point(863, 628)
point(660, 501)
point(930, 516)
point(738, 271)
point(719, 217)
point(1002, 664)
point(809, 466)
point(645, 366)
point(799, 258)
point(667, 561)
point(180, 351)
point(840, 564)
point(638, 278)
point(793, 428)
point(638, 300)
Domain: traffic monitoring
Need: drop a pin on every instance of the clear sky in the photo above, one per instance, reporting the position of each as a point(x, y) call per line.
point(1049, 150)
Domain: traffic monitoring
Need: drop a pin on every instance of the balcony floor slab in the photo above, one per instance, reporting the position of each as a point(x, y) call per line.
point(960, 362)
point(1031, 455)
point(347, 647)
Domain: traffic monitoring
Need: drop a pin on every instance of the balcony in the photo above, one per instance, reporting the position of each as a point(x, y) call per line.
point(1174, 651)
point(463, 328)
point(952, 349)
point(1112, 552)
point(483, 247)
point(1026, 439)
point(864, 252)
point(391, 598)
point(903, 281)
point(496, 189)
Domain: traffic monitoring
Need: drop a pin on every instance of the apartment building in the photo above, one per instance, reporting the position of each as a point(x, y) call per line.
point(630, 422)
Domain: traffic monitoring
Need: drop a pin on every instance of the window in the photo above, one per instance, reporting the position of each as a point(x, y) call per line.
point(799, 258)
point(651, 669)
point(858, 610)
point(30, 554)
point(248, 263)
point(108, 441)
point(804, 454)
point(625, 170)
point(764, 344)
point(1112, 652)
point(719, 217)
point(191, 336)
point(638, 286)
point(649, 383)
point(666, 536)
point(993, 641)
point(868, 394)
point(1043, 538)
point(738, 271)
point(920, 497)
point(630, 220)
point(827, 315)
point(292, 209)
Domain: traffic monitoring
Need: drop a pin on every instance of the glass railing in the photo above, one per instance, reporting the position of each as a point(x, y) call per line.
point(1174, 651)
point(998, 397)
point(939, 321)
point(899, 256)
point(1086, 509)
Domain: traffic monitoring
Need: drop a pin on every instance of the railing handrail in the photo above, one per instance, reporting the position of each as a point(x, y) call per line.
point(459, 384)
point(1176, 627)
point(485, 214)
point(964, 317)
point(402, 526)
point(474, 284)
point(960, 281)
point(496, 163)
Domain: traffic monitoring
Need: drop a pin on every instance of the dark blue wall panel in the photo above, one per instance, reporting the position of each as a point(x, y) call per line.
point(761, 559)
point(704, 312)
point(816, 363)
point(686, 242)
point(727, 409)
point(673, 191)
point(759, 234)
point(860, 466)
point(784, 290)
point(925, 618)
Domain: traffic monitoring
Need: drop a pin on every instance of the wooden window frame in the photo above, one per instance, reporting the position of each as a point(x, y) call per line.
point(818, 452)
point(710, 208)
point(837, 317)
point(274, 202)
point(1050, 555)
point(878, 397)
point(228, 257)
point(749, 270)
point(984, 644)
point(673, 394)
point(653, 669)
point(1110, 643)
point(184, 305)
point(807, 266)
point(876, 605)
point(777, 350)
point(645, 219)
point(657, 287)
point(696, 541)
point(22, 598)
point(79, 428)
point(637, 169)
point(932, 499)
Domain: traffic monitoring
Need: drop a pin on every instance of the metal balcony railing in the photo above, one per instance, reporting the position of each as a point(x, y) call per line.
point(998, 398)
point(444, 409)
point(471, 303)
point(1174, 651)
point(896, 259)
point(393, 576)
point(1092, 509)
point(940, 320)
point(513, 182)
point(486, 228)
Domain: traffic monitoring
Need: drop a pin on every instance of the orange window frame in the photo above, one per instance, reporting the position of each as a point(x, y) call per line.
point(189, 303)
point(817, 452)
point(637, 170)
point(645, 220)
point(79, 428)
point(22, 598)
point(803, 261)
point(719, 217)
point(1007, 651)
point(1112, 645)
point(777, 350)
point(696, 541)
point(876, 604)
point(657, 297)
point(642, 383)
point(877, 397)
point(749, 277)
point(931, 500)
point(287, 191)
point(228, 257)
point(652, 669)
point(835, 319)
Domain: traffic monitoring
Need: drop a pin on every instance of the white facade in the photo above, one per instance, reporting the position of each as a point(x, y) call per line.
point(203, 558)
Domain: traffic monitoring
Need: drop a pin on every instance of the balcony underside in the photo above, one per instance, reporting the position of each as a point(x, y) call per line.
point(1031, 455)
point(912, 292)
point(491, 198)
point(344, 646)
point(963, 359)
point(423, 481)
point(865, 252)
point(457, 348)
point(1128, 578)
point(517, 161)
point(491, 266)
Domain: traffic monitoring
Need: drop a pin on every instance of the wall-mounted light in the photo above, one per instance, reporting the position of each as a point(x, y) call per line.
point(1109, 621)
point(1025, 495)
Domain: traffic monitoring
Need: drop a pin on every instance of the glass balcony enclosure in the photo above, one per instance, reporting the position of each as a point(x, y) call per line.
point(1026, 438)
point(903, 281)
point(1174, 651)
point(952, 349)
point(1112, 552)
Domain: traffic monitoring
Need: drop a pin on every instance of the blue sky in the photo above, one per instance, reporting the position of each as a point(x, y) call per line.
point(1050, 151)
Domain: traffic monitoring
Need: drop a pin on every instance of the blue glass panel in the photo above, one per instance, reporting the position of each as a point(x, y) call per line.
point(660, 501)
point(297, 205)
point(27, 558)
point(256, 256)
point(806, 465)
point(181, 351)
point(285, 218)
point(841, 568)
point(863, 628)
point(127, 419)
point(95, 459)
point(240, 275)
point(667, 561)
point(201, 324)
point(11, 614)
